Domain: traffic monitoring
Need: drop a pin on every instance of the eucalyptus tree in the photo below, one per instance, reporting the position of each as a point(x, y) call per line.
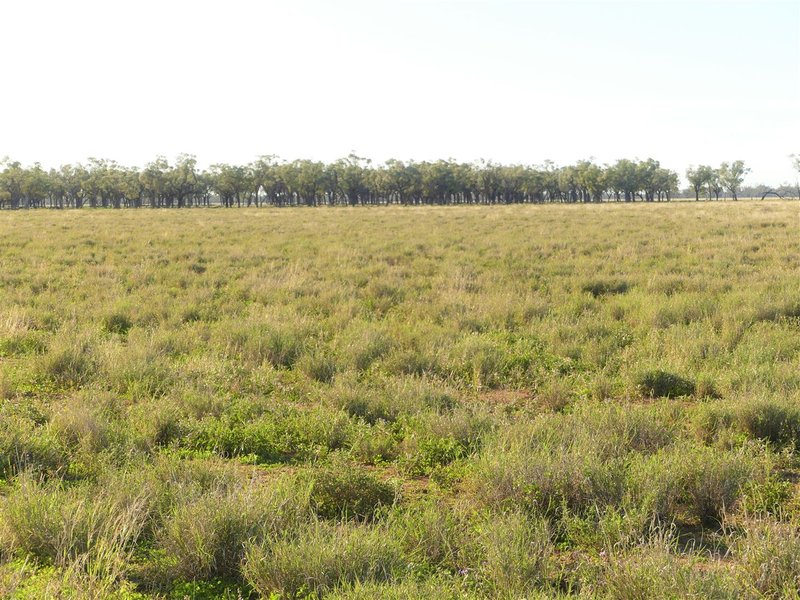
point(56, 189)
point(512, 183)
point(264, 176)
point(568, 184)
point(306, 180)
point(351, 181)
point(715, 184)
point(12, 179)
point(378, 186)
point(665, 183)
point(154, 181)
point(351, 178)
point(181, 181)
point(131, 188)
point(647, 175)
point(403, 181)
point(623, 180)
point(230, 182)
point(73, 179)
point(35, 186)
point(591, 181)
point(534, 184)
point(699, 177)
point(732, 175)
point(549, 174)
point(489, 181)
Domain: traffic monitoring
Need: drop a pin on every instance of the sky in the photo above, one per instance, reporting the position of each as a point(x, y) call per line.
point(685, 82)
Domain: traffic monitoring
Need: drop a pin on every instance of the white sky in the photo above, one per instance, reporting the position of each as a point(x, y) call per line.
point(682, 82)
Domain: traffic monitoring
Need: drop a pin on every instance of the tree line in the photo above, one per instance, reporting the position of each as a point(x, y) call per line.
point(709, 181)
point(350, 181)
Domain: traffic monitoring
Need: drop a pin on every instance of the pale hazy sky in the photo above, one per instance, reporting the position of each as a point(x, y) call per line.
point(682, 82)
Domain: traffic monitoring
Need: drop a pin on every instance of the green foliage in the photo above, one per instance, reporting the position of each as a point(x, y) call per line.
point(282, 434)
point(435, 536)
point(659, 572)
point(658, 383)
point(775, 420)
point(26, 446)
point(517, 554)
point(205, 536)
point(689, 484)
point(68, 362)
point(430, 453)
point(343, 490)
point(323, 558)
point(770, 556)
point(575, 461)
point(118, 322)
point(93, 531)
point(604, 287)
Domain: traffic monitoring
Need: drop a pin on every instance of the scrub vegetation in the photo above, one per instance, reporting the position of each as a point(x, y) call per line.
point(577, 400)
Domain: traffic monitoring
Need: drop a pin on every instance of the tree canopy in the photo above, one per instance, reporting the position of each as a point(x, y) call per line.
point(350, 181)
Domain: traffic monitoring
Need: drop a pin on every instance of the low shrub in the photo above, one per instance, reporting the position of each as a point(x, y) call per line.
point(322, 558)
point(769, 554)
point(68, 362)
point(694, 483)
point(777, 311)
point(116, 322)
point(346, 491)
point(282, 434)
point(435, 535)
point(77, 423)
point(26, 446)
point(22, 343)
point(205, 537)
point(657, 383)
point(438, 588)
point(391, 398)
point(374, 444)
point(90, 528)
point(605, 287)
point(775, 420)
point(255, 343)
point(576, 461)
point(517, 555)
point(423, 456)
point(661, 574)
point(319, 364)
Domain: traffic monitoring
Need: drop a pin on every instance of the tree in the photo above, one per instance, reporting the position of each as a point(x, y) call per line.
point(699, 178)
point(715, 184)
point(351, 178)
point(154, 181)
point(591, 180)
point(182, 180)
point(229, 182)
point(35, 186)
point(623, 179)
point(732, 175)
point(11, 181)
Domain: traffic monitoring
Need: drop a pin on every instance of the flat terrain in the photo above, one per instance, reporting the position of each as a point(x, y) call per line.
point(477, 402)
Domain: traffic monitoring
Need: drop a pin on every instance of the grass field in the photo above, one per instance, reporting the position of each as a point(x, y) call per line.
point(504, 402)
